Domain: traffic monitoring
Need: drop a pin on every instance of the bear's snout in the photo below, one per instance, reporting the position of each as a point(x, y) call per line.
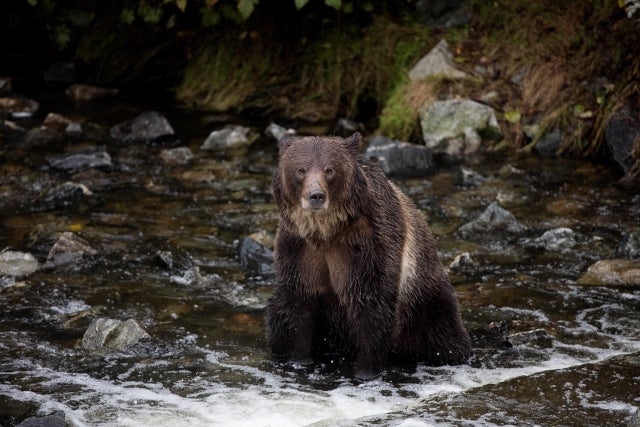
point(314, 196)
point(317, 199)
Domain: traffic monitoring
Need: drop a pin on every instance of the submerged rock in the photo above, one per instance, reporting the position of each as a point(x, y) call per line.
point(630, 246)
point(66, 195)
point(69, 248)
point(177, 156)
point(493, 336)
point(96, 157)
point(537, 338)
point(557, 239)
point(585, 394)
point(494, 218)
point(255, 255)
point(42, 136)
point(17, 264)
point(470, 178)
point(612, 272)
point(169, 260)
point(112, 334)
point(57, 419)
point(147, 127)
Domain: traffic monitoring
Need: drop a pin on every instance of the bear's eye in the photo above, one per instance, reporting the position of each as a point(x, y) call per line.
point(301, 171)
point(328, 171)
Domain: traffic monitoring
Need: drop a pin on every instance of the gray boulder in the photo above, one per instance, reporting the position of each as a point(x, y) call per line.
point(437, 63)
point(68, 248)
point(557, 239)
point(622, 135)
point(229, 137)
point(456, 127)
point(147, 127)
point(255, 254)
point(112, 334)
point(493, 219)
point(96, 157)
point(64, 196)
point(400, 158)
point(17, 264)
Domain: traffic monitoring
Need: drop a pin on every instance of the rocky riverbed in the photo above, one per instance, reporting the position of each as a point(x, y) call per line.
point(135, 267)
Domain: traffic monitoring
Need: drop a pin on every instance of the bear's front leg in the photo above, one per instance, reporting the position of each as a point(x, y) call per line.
point(372, 314)
point(372, 348)
point(290, 326)
point(292, 309)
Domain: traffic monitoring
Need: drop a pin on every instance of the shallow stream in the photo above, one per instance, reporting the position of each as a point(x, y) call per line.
point(575, 353)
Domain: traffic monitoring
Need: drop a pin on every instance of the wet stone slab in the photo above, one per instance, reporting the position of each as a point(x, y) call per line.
point(600, 394)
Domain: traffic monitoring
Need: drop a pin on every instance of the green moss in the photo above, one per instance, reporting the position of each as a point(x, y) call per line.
point(398, 119)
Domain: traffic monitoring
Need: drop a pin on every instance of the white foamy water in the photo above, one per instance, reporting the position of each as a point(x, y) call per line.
point(267, 399)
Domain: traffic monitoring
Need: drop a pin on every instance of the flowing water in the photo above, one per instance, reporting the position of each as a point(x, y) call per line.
point(574, 359)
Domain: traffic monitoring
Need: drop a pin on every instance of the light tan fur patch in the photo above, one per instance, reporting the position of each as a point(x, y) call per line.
point(321, 225)
point(409, 256)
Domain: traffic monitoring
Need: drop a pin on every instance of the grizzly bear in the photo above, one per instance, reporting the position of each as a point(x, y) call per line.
point(357, 269)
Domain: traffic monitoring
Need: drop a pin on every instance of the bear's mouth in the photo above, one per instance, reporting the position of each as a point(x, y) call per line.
point(314, 208)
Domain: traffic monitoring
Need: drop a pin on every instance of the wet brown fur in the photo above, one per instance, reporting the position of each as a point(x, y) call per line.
point(361, 274)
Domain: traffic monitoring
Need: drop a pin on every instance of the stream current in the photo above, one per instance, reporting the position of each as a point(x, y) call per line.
point(574, 358)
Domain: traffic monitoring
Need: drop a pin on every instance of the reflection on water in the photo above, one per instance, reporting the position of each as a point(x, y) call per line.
point(207, 363)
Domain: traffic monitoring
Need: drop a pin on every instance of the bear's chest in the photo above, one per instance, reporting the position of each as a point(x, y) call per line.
point(331, 266)
point(326, 269)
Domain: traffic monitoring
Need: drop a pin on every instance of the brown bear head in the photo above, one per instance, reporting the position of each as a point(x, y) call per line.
point(315, 182)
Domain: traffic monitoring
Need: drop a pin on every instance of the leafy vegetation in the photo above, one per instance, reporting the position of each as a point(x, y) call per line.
point(554, 65)
point(65, 17)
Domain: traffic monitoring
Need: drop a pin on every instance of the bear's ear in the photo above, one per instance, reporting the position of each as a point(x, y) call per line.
point(284, 143)
point(354, 143)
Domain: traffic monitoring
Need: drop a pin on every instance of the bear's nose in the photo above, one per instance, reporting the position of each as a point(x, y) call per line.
point(316, 199)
